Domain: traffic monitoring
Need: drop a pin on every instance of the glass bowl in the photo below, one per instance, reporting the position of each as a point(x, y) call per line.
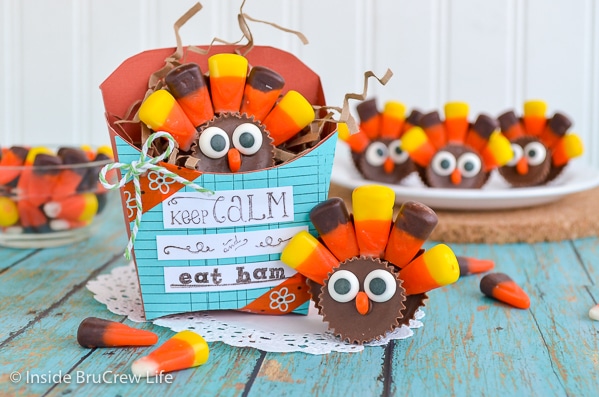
point(50, 198)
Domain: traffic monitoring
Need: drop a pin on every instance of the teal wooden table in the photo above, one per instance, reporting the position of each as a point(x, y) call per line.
point(470, 345)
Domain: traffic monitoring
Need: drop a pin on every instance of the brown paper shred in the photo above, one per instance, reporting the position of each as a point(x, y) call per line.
point(282, 156)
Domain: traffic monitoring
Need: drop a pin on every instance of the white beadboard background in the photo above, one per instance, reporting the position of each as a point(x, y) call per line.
point(493, 54)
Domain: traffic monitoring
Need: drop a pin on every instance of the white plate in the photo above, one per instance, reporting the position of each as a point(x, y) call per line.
point(496, 194)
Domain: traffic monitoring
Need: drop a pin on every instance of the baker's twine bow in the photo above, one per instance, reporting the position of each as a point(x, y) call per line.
point(135, 169)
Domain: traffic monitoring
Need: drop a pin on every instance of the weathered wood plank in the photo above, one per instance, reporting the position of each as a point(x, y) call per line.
point(49, 347)
point(41, 279)
point(334, 374)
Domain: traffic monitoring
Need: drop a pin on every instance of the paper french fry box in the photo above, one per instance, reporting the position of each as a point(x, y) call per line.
point(198, 251)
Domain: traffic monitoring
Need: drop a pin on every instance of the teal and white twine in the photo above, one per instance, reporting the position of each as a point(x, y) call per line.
point(135, 169)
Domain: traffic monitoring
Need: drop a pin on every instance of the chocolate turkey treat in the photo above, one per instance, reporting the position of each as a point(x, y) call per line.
point(376, 148)
point(231, 121)
point(542, 146)
point(367, 274)
point(234, 143)
point(454, 153)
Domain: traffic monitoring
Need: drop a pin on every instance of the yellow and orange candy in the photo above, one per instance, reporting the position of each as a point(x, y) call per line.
point(186, 349)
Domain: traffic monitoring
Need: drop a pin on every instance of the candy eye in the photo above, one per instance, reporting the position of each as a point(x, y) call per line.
point(343, 286)
point(380, 285)
point(247, 138)
point(398, 155)
point(469, 164)
point(376, 154)
point(517, 149)
point(443, 163)
point(535, 153)
point(214, 142)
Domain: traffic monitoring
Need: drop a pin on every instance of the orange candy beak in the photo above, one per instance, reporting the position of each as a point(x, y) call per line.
point(522, 166)
point(388, 166)
point(234, 158)
point(456, 177)
point(362, 303)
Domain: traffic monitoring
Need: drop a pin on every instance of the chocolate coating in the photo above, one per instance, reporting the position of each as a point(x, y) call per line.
point(485, 126)
point(91, 331)
point(367, 109)
point(490, 281)
point(559, 124)
point(184, 79)
point(507, 120)
point(265, 79)
point(262, 159)
point(536, 175)
point(417, 219)
point(329, 214)
point(430, 119)
point(414, 117)
point(345, 320)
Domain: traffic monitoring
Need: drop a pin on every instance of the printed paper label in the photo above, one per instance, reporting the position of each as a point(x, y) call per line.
point(225, 245)
point(194, 210)
point(226, 277)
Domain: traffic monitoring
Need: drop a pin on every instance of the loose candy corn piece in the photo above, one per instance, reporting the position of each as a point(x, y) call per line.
point(501, 287)
point(309, 257)
point(417, 144)
point(369, 118)
point(498, 152)
point(435, 268)
point(38, 182)
point(510, 125)
point(9, 214)
point(78, 207)
point(556, 128)
point(261, 92)
point(161, 112)
point(335, 227)
point(456, 121)
point(97, 332)
point(392, 119)
point(433, 127)
point(373, 214)
point(567, 148)
point(13, 157)
point(71, 179)
point(534, 117)
point(480, 132)
point(594, 313)
point(413, 225)
point(289, 116)
point(228, 73)
point(470, 265)
point(185, 349)
point(187, 84)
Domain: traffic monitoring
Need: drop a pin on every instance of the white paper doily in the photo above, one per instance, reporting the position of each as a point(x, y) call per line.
point(119, 291)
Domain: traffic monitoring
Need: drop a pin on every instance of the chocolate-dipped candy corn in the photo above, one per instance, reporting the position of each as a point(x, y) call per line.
point(501, 287)
point(336, 228)
point(185, 349)
point(261, 92)
point(470, 265)
point(187, 85)
point(97, 332)
point(413, 225)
